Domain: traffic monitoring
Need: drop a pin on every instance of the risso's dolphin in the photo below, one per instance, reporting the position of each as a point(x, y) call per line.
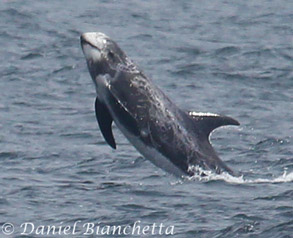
point(174, 140)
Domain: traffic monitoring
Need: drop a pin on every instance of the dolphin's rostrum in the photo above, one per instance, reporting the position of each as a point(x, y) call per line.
point(171, 138)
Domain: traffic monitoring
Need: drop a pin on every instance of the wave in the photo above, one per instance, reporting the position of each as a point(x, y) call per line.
point(207, 176)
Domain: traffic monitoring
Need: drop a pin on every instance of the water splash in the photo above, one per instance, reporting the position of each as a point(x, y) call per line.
point(207, 176)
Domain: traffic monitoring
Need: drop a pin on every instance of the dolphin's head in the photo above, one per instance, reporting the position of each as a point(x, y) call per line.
point(102, 54)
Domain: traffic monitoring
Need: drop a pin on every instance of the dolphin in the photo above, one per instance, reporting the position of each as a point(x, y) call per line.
point(173, 139)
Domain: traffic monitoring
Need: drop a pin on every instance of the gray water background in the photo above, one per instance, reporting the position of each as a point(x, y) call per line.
point(228, 57)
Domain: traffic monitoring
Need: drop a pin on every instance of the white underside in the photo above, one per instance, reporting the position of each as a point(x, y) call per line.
point(150, 153)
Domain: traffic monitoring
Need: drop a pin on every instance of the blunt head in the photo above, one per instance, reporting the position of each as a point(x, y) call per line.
point(102, 54)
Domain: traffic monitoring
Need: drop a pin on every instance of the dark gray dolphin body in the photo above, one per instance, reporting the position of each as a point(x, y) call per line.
point(171, 138)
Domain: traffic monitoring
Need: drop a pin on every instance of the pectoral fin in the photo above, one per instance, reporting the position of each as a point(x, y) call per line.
point(208, 122)
point(105, 120)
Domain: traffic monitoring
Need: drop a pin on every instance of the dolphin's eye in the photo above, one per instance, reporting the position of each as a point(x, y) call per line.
point(111, 55)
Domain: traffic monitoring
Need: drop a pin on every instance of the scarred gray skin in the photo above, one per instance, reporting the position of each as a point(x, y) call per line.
point(171, 138)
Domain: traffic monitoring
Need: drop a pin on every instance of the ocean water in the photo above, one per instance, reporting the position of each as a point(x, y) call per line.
point(228, 57)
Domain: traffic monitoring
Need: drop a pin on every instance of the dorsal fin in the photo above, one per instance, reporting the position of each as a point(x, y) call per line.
point(207, 122)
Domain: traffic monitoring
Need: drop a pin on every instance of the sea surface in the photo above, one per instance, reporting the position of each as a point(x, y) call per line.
point(228, 57)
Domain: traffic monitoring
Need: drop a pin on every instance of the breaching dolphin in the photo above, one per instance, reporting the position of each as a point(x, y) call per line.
point(173, 139)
